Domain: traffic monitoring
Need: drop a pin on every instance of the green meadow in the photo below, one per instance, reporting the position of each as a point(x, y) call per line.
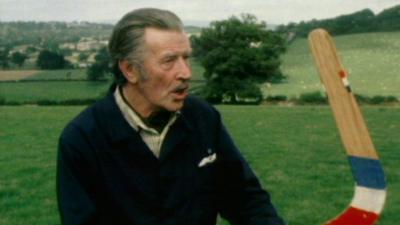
point(371, 59)
point(27, 92)
point(296, 152)
point(64, 74)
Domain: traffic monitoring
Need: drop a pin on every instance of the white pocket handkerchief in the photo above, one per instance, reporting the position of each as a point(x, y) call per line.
point(207, 160)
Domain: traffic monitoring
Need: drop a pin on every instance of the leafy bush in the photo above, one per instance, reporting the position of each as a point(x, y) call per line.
point(67, 102)
point(101, 68)
point(383, 99)
point(276, 98)
point(2, 100)
point(315, 97)
point(11, 103)
point(48, 60)
point(362, 99)
point(376, 100)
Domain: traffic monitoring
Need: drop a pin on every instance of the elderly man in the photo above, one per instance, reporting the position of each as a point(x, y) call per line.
point(148, 154)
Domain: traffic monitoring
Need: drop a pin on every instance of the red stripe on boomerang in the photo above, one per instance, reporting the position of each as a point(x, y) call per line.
point(354, 216)
point(342, 74)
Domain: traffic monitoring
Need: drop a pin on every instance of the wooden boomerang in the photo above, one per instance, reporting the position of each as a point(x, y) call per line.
point(370, 189)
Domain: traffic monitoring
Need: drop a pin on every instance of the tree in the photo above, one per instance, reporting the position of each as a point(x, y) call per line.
point(18, 58)
point(83, 57)
point(101, 67)
point(51, 43)
point(238, 54)
point(4, 57)
point(31, 49)
point(48, 60)
point(389, 19)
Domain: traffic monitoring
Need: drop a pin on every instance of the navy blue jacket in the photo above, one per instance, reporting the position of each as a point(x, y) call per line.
point(107, 175)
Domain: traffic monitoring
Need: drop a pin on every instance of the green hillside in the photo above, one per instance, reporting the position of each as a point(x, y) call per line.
point(372, 60)
point(362, 21)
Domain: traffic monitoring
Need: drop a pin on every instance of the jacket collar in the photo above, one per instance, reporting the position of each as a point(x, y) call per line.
point(117, 128)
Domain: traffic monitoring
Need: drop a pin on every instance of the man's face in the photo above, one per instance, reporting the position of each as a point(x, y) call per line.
point(167, 69)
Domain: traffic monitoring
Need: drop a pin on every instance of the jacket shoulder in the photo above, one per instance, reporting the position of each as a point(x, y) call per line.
point(85, 121)
point(195, 105)
point(203, 115)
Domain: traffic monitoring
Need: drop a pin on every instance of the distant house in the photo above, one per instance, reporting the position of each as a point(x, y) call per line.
point(91, 58)
point(71, 46)
point(83, 65)
point(255, 44)
point(90, 44)
point(20, 48)
point(85, 44)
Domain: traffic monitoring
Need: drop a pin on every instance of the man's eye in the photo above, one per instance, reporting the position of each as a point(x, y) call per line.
point(168, 63)
point(169, 60)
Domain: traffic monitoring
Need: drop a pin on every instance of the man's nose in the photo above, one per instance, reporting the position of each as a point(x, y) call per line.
point(184, 69)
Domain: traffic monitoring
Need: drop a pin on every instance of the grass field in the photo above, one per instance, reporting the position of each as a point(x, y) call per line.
point(26, 92)
point(6, 75)
point(65, 74)
point(296, 152)
point(372, 60)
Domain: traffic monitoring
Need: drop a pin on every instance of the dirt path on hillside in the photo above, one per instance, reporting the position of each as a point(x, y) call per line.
point(16, 74)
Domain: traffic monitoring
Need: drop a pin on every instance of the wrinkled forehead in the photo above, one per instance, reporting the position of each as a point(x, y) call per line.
point(161, 40)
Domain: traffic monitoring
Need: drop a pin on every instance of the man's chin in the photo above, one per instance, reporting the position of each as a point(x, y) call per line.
point(175, 105)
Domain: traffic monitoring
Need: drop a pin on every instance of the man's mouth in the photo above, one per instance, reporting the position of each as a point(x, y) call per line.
point(181, 91)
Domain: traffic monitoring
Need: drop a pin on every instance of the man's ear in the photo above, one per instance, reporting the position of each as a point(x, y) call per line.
point(129, 71)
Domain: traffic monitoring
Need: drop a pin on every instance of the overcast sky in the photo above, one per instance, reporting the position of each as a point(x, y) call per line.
point(192, 12)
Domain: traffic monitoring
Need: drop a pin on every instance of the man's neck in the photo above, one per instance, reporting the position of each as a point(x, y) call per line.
point(154, 119)
point(138, 104)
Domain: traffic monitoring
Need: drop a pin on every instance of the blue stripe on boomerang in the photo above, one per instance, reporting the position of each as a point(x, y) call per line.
point(367, 172)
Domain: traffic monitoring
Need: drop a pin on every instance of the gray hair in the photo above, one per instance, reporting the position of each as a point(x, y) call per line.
point(127, 39)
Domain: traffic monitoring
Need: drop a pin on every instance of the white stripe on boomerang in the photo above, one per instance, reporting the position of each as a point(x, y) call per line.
point(369, 199)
